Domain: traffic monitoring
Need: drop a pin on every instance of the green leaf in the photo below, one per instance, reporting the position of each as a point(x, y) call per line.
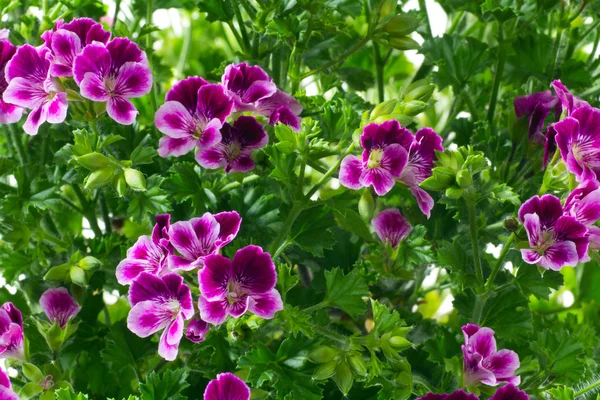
point(531, 281)
point(504, 194)
point(285, 280)
point(346, 291)
point(312, 230)
point(443, 345)
point(167, 385)
point(351, 221)
point(283, 164)
point(295, 321)
point(143, 155)
point(217, 10)
point(153, 201)
point(123, 349)
point(68, 394)
point(559, 353)
point(383, 319)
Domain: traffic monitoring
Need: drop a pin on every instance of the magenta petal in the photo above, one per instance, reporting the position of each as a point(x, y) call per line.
point(254, 270)
point(65, 47)
point(379, 136)
point(265, 305)
point(381, 180)
point(211, 134)
point(186, 92)
point(35, 118)
point(25, 93)
point(213, 312)
point(148, 287)
point(59, 306)
point(4, 379)
point(483, 342)
point(94, 58)
point(569, 102)
point(92, 87)
point(350, 172)
point(285, 116)
point(509, 392)
point(229, 226)
point(227, 387)
point(9, 113)
point(249, 132)
point(56, 109)
point(239, 307)
point(174, 120)
point(147, 317)
point(14, 314)
point(559, 255)
point(197, 330)
point(258, 90)
point(168, 146)
point(530, 256)
point(134, 80)
point(394, 159)
point(215, 277)
point(243, 163)
point(214, 102)
point(424, 200)
point(27, 63)
point(548, 208)
point(503, 363)
point(176, 263)
point(391, 226)
point(8, 394)
point(533, 228)
point(121, 110)
point(168, 344)
point(568, 228)
point(212, 157)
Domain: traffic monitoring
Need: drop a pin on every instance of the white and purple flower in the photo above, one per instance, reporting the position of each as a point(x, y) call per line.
point(568, 101)
point(578, 139)
point(232, 287)
point(148, 254)
point(192, 116)
point(234, 152)
point(197, 330)
point(281, 108)
point(30, 86)
point(160, 303)
point(556, 240)
point(483, 362)
point(506, 392)
point(11, 332)
point(537, 106)
point(227, 386)
point(248, 85)
point(391, 226)
point(59, 306)
point(200, 237)
point(9, 113)
point(67, 41)
point(114, 73)
point(6, 392)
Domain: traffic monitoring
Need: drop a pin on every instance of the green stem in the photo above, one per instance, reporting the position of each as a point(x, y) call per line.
point(596, 41)
point(423, 8)
point(379, 65)
point(53, 239)
point(480, 300)
point(115, 15)
point(300, 188)
point(474, 237)
point(471, 105)
point(588, 388)
point(497, 78)
point(149, 13)
point(18, 143)
point(240, 21)
point(88, 211)
point(330, 334)
point(316, 307)
point(330, 172)
point(105, 216)
point(591, 91)
point(555, 47)
point(70, 204)
point(275, 247)
point(336, 60)
point(505, 249)
point(455, 22)
point(187, 41)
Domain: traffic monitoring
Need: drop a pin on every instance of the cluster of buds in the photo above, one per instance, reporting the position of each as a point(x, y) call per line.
point(77, 270)
point(393, 30)
point(338, 364)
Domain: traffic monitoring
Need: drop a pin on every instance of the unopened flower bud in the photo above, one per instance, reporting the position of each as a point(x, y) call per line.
point(366, 205)
point(454, 192)
point(399, 343)
point(385, 108)
point(403, 43)
point(120, 185)
point(325, 371)
point(99, 178)
point(419, 90)
point(444, 176)
point(89, 263)
point(93, 161)
point(322, 354)
point(135, 179)
point(387, 8)
point(404, 378)
point(77, 276)
point(511, 224)
point(463, 178)
point(401, 25)
point(358, 365)
point(344, 377)
point(32, 373)
point(415, 107)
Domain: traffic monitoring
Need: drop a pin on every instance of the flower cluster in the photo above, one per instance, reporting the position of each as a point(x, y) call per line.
point(507, 392)
point(11, 332)
point(392, 153)
point(160, 299)
point(195, 115)
point(39, 79)
point(227, 386)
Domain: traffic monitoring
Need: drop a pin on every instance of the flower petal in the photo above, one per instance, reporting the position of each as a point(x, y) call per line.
point(186, 92)
point(350, 172)
point(148, 287)
point(254, 270)
point(503, 363)
point(215, 277)
point(59, 306)
point(211, 134)
point(483, 342)
point(148, 317)
point(65, 47)
point(249, 132)
point(229, 226)
point(394, 159)
point(213, 312)
point(121, 110)
point(92, 87)
point(176, 263)
point(168, 146)
point(391, 226)
point(197, 330)
point(509, 392)
point(381, 180)
point(28, 64)
point(424, 200)
point(265, 305)
point(174, 120)
point(9, 113)
point(56, 109)
point(212, 157)
point(227, 387)
point(559, 255)
point(94, 58)
point(133, 80)
point(25, 93)
point(214, 102)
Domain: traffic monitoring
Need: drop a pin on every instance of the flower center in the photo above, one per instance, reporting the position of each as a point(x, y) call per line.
point(198, 129)
point(174, 306)
point(234, 149)
point(109, 84)
point(234, 292)
point(546, 240)
point(375, 158)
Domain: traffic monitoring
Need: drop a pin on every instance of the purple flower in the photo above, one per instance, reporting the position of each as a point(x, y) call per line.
point(31, 86)
point(199, 237)
point(391, 226)
point(537, 106)
point(248, 85)
point(382, 161)
point(59, 306)
point(67, 40)
point(9, 113)
point(281, 108)
point(227, 386)
point(6, 392)
point(556, 240)
point(160, 303)
point(197, 330)
point(583, 204)
point(549, 144)
point(569, 102)
point(114, 74)
point(192, 116)
point(578, 139)
point(11, 332)
point(509, 392)
point(483, 363)
point(234, 152)
point(457, 395)
point(148, 254)
point(232, 287)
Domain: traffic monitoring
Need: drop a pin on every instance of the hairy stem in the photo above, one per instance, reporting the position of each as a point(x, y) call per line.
point(474, 237)
point(275, 247)
point(505, 249)
point(89, 210)
point(330, 172)
point(115, 16)
point(588, 388)
point(379, 65)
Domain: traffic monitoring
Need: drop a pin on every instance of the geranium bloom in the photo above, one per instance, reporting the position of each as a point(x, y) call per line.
point(192, 116)
point(30, 86)
point(6, 392)
point(227, 386)
point(67, 40)
point(391, 226)
point(510, 392)
point(583, 203)
point(556, 240)
point(248, 85)
point(160, 303)
point(199, 237)
point(114, 74)
point(11, 332)
point(234, 152)
point(382, 161)
point(537, 106)
point(457, 395)
point(483, 363)
point(148, 254)
point(245, 283)
point(59, 306)
point(578, 139)
point(197, 330)
point(281, 108)
point(9, 113)
point(569, 102)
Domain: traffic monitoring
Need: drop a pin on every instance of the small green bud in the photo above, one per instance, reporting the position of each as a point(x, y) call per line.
point(464, 179)
point(93, 161)
point(99, 178)
point(325, 371)
point(89, 263)
point(444, 176)
point(58, 273)
point(32, 373)
point(399, 343)
point(385, 108)
point(366, 205)
point(415, 107)
point(432, 184)
point(511, 224)
point(387, 8)
point(404, 378)
point(135, 179)
point(401, 25)
point(343, 378)
point(120, 185)
point(357, 363)
point(454, 192)
point(77, 276)
point(402, 331)
point(403, 43)
point(259, 394)
point(419, 90)
point(55, 336)
point(322, 355)
point(286, 147)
